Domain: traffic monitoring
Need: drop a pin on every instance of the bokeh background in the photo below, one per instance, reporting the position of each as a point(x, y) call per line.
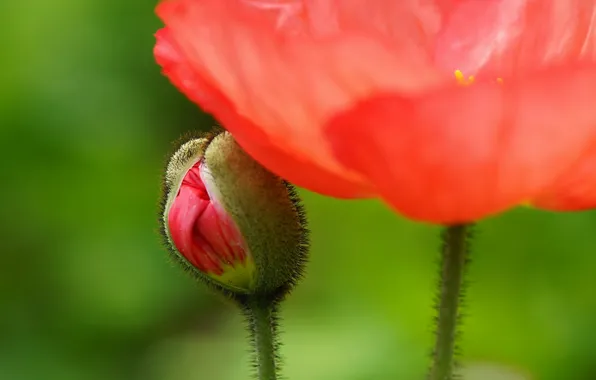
point(86, 290)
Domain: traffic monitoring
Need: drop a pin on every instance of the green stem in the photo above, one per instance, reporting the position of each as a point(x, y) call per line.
point(262, 319)
point(453, 262)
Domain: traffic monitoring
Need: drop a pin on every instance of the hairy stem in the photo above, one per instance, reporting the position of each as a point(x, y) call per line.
point(262, 320)
point(453, 263)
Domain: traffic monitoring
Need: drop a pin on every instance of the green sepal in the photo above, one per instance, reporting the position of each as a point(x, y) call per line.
point(267, 211)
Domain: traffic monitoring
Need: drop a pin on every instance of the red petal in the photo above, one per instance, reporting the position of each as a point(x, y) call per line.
point(201, 230)
point(168, 56)
point(188, 208)
point(467, 152)
point(511, 37)
point(285, 68)
point(574, 190)
point(300, 170)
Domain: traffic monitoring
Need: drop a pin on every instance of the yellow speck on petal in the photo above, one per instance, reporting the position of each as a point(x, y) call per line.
point(526, 204)
point(463, 81)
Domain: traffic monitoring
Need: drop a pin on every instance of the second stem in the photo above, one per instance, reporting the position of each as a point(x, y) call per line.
point(453, 264)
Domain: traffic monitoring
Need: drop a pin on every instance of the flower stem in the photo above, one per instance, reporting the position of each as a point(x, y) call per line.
point(262, 320)
point(451, 289)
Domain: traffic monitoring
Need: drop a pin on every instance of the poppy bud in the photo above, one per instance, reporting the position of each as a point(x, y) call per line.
point(231, 222)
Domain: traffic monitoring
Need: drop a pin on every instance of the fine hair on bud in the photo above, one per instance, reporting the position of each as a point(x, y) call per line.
point(230, 222)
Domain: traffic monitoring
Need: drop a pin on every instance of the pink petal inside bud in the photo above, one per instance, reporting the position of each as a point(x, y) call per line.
point(201, 230)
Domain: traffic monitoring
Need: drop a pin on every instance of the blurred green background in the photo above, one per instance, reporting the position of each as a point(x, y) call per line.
point(86, 291)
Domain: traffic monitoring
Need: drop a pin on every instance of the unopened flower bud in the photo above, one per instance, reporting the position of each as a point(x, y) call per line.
point(230, 221)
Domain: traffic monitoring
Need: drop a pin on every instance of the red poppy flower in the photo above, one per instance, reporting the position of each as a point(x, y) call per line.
point(356, 98)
